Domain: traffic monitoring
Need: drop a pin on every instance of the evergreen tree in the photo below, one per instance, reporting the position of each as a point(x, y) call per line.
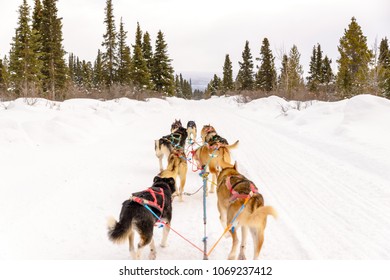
point(384, 67)
point(284, 76)
point(214, 86)
point(37, 16)
point(147, 51)
point(2, 68)
point(245, 75)
point(71, 66)
point(295, 72)
point(54, 67)
point(124, 60)
point(98, 71)
point(313, 79)
point(86, 74)
point(227, 79)
point(183, 88)
point(266, 76)
point(140, 74)
point(4, 73)
point(162, 71)
point(109, 57)
point(25, 78)
point(352, 77)
point(327, 76)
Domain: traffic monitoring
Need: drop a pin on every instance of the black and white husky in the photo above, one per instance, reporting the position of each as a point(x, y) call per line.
point(166, 144)
point(191, 131)
point(135, 216)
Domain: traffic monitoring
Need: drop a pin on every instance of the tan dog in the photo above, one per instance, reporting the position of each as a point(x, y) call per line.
point(214, 154)
point(214, 157)
point(207, 130)
point(233, 191)
point(177, 166)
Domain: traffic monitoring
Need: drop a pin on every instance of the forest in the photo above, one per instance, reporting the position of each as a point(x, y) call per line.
point(37, 65)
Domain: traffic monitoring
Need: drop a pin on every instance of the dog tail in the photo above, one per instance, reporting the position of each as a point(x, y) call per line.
point(118, 231)
point(260, 214)
point(232, 146)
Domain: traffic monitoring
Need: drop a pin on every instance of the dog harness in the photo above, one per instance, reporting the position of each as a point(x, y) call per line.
point(236, 195)
point(153, 203)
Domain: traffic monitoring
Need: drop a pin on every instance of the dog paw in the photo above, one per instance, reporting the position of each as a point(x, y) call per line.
point(163, 245)
point(241, 257)
point(152, 255)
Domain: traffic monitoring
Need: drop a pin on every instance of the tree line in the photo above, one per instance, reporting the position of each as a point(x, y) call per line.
point(38, 66)
point(360, 70)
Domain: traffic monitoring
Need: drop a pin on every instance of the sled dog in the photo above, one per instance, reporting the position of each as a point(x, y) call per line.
point(166, 144)
point(134, 216)
point(191, 131)
point(232, 191)
point(177, 167)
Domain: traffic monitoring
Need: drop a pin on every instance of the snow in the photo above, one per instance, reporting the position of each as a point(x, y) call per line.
point(66, 166)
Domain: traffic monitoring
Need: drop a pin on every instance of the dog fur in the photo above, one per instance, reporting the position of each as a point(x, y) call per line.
point(214, 154)
point(165, 145)
point(177, 166)
point(253, 217)
point(135, 217)
point(191, 131)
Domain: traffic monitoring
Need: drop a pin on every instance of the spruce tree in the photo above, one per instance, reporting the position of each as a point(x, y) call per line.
point(124, 60)
point(54, 66)
point(2, 68)
point(295, 72)
point(140, 74)
point(353, 70)
point(109, 56)
point(245, 75)
point(227, 79)
point(384, 67)
point(284, 76)
point(147, 51)
point(98, 71)
point(162, 71)
point(327, 76)
point(5, 73)
point(312, 79)
point(25, 78)
point(266, 76)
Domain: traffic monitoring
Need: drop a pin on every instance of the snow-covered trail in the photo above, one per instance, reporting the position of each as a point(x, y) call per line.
point(64, 171)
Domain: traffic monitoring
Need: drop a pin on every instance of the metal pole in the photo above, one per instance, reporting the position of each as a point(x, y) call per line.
point(205, 257)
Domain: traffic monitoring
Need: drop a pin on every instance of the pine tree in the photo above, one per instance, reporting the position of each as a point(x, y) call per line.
point(98, 71)
point(227, 79)
point(2, 68)
point(54, 66)
point(245, 74)
point(162, 71)
point(312, 79)
point(284, 76)
point(295, 72)
point(5, 76)
point(147, 51)
point(327, 76)
point(266, 76)
point(25, 78)
point(109, 57)
point(140, 74)
point(124, 59)
point(214, 86)
point(384, 67)
point(353, 70)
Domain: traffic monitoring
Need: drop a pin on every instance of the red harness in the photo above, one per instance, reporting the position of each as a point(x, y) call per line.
point(234, 194)
point(153, 203)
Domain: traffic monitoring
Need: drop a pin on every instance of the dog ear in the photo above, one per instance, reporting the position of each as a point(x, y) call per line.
point(156, 178)
point(171, 183)
point(235, 165)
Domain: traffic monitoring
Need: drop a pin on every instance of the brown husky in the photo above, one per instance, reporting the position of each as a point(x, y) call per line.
point(177, 166)
point(233, 191)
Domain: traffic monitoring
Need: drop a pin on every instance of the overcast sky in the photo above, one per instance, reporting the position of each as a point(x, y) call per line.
point(199, 33)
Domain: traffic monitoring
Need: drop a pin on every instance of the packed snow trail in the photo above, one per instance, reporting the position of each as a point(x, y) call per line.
point(67, 166)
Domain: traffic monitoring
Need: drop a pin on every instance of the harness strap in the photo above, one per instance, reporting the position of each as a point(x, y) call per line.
point(153, 203)
point(236, 195)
